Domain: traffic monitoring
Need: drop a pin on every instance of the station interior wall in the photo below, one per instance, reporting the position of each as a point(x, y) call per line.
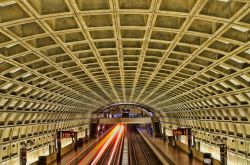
point(238, 148)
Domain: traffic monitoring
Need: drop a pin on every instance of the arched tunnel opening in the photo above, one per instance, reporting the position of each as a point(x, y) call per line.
point(126, 113)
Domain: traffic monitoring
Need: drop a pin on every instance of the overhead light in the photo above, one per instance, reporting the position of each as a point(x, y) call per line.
point(237, 60)
point(234, 82)
point(224, 0)
point(15, 70)
point(18, 88)
point(44, 81)
point(223, 41)
point(242, 29)
point(224, 66)
point(3, 101)
point(26, 75)
point(36, 92)
point(7, 86)
point(247, 51)
point(10, 45)
point(245, 77)
point(6, 3)
point(224, 84)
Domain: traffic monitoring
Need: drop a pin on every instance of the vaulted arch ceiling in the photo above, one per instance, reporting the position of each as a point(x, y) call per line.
point(81, 55)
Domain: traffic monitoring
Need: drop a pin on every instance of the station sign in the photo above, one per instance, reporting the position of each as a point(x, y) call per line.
point(182, 131)
point(67, 134)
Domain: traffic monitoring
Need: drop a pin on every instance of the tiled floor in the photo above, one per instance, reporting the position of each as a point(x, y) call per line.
point(176, 155)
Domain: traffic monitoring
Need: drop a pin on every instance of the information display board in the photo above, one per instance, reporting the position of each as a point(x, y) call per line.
point(182, 131)
point(67, 134)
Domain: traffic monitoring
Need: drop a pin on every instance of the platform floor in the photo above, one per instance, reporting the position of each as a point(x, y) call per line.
point(175, 154)
point(70, 155)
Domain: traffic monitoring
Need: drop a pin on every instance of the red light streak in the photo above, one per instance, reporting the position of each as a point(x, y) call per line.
point(116, 143)
point(104, 147)
point(100, 148)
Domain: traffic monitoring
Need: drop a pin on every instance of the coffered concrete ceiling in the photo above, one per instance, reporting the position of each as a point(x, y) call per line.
point(61, 60)
point(80, 55)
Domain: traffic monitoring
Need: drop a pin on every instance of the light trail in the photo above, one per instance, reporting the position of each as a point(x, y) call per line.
point(103, 148)
point(116, 144)
point(94, 155)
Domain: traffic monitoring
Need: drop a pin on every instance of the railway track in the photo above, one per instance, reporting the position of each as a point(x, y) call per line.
point(139, 152)
point(113, 154)
point(106, 152)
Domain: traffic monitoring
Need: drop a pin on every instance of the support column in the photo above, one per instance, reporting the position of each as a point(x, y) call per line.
point(23, 154)
point(190, 138)
point(149, 129)
point(223, 153)
point(51, 148)
point(198, 145)
point(93, 128)
point(174, 141)
point(164, 134)
point(156, 127)
point(74, 140)
point(58, 146)
point(86, 135)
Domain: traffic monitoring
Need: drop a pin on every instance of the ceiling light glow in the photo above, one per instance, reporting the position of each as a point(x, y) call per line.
point(224, 0)
point(242, 29)
point(7, 3)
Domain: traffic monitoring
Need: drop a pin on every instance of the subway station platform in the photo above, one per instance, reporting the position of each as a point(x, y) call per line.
point(75, 66)
point(68, 157)
point(174, 155)
point(164, 152)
